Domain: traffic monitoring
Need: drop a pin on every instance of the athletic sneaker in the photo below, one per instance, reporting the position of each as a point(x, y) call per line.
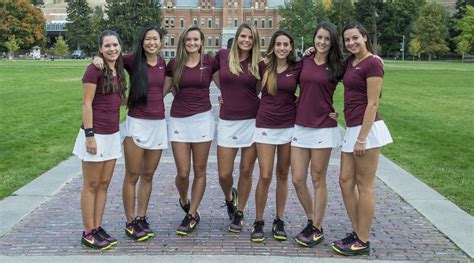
point(142, 221)
point(257, 234)
point(106, 236)
point(350, 237)
point(134, 231)
point(354, 248)
point(278, 230)
point(232, 204)
point(310, 236)
point(185, 207)
point(188, 224)
point(94, 240)
point(236, 224)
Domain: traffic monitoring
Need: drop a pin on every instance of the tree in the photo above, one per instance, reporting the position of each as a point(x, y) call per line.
point(12, 47)
point(341, 12)
point(431, 29)
point(368, 13)
point(60, 48)
point(463, 47)
point(128, 17)
point(37, 3)
point(414, 48)
point(81, 32)
point(466, 27)
point(300, 17)
point(461, 6)
point(21, 19)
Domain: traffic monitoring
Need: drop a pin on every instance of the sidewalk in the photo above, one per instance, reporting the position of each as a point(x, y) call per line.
point(400, 232)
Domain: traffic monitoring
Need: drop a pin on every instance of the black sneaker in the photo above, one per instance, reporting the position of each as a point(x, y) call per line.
point(278, 230)
point(134, 231)
point(232, 204)
point(94, 240)
point(310, 236)
point(257, 234)
point(142, 221)
point(185, 207)
point(354, 248)
point(106, 236)
point(188, 224)
point(350, 237)
point(236, 224)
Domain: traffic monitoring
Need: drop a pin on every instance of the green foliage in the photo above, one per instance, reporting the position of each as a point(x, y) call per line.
point(414, 48)
point(341, 12)
point(431, 29)
point(12, 45)
point(60, 48)
point(462, 48)
point(461, 8)
point(81, 31)
point(21, 19)
point(300, 17)
point(128, 17)
point(37, 3)
point(466, 27)
point(368, 12)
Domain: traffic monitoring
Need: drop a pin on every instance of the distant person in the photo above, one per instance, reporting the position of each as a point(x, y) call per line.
point(274, 130)
point(145, 129)
point(239, 82)
point(191, 123)
point(365, 135)
point(98, 142)
point(316, 132)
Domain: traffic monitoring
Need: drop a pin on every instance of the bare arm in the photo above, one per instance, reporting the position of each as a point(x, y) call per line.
point(374, 87)
point(216, 79)
point(167, 86)
point(87, 115)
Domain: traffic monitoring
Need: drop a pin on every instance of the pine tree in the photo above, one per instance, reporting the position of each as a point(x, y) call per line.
point(341, 13)
point(81, 32)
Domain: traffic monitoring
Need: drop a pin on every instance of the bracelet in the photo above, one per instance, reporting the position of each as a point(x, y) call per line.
point(89, 132)
point(361, 142)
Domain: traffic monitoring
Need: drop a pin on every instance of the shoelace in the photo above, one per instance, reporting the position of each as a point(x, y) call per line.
point(102, 232)
point(350, 238)
point(258, 226)
point(237, 218)
point(280, 225)
point(143, 221)
point(308, 230)
point(186, 220)
point(97, 237)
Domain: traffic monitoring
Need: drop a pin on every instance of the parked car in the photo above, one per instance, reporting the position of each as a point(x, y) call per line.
point(78, 54)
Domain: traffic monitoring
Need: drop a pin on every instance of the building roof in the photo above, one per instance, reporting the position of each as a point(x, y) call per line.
point(187, 3)
point(276, 3)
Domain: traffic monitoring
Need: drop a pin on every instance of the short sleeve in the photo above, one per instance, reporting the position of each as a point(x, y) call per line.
point(375, 68)
point(214, 64)
point(261, 68)
point(218, 56)
point(91, 75)
point(297, 69)
point(127, 62)
point(169, 68)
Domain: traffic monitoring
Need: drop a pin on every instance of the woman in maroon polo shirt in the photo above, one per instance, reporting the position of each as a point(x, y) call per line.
point(238, 79)
point(191, 124)
point(316, 131)
point(365, 135)
point(274, 129)
point(98, 141)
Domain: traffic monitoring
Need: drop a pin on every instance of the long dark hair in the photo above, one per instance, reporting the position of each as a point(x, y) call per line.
point(138, 94)
point(362, 31)
point(335, 58)
point(270, 76)
point(110, 86)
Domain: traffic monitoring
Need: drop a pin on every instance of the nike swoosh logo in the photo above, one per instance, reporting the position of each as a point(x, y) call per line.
point(289, 75)
point(354, 247)
point(89, 241)
point(131, 232)
point(202, 67)
point(358, 68)
point(192, 225)
point(316, 238)
point(160, 67)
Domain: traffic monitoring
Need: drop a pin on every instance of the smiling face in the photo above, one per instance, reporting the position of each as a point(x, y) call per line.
point(355, 42)
point(152, 42)
point(282, 47)
point(193, 42)
point(110, 48)
point(245, 40)
point(322, 41)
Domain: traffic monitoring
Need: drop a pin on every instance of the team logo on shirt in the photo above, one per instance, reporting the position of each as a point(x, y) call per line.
point(289, 74)
point(160, 67)
point(357, 68)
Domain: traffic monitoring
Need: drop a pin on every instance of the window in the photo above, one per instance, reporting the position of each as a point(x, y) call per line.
point(195, 21)
point(181, 22)
point(167, 54)
point(172, 41)
point(236, 22)
point(172, 22)
point(217, 23)
point(166, 41)
point(262, 42)
point(202, 22)
point(209, 41)
point(248, 20)
point(263, 22)
point(172, 54)
point(270, 23)
point(255, 21)
point(217, 41)
point(209, 23)
point(229, 22)
point(167, 21)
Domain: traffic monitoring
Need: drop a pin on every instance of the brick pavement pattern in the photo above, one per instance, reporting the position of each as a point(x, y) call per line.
point(54, 228)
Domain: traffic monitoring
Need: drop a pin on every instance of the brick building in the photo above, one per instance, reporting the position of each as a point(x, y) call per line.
point(219, 19)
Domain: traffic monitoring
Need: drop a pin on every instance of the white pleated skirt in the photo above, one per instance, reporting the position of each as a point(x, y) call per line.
point(235, 133)
point(379, 136)
point(316, 138)
point(147, 134)
point(109, 147)
point(196, 128)
point(273, 136)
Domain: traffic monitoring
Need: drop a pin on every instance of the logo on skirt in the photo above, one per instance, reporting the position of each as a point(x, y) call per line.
point(234, 137)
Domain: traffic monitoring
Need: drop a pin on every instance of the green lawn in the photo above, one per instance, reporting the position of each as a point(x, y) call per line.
point(427, 107)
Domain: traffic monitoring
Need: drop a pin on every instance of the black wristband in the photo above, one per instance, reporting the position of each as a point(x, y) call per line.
point(89, 132)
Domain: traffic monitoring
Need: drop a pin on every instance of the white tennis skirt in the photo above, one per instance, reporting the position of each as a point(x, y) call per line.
point(236, 133)
point(109, 147)
point(147, 134)
point(316, 138)
point(196, 128)
point(378, 137)
point(273, 136)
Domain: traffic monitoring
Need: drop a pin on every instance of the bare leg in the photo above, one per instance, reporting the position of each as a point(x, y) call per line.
point(282, 168)
point(348, 186)
point(247, 164)
point(133, 165)
point(266, 156)
point(319, 167)
point(150, 163)
point(182, 157)
point(299, 170)
point(225, 167)
point(200, 152)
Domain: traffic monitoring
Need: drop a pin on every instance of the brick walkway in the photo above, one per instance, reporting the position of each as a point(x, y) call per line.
point(399, 231)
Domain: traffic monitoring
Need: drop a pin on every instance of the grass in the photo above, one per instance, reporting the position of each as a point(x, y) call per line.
point(427, 107)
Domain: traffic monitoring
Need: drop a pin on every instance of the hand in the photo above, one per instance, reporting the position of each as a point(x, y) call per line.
point(309, 51)
point(221, 101)
point(334, 115)
point(91, 146)
point(98, 62)
point(359, 149)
